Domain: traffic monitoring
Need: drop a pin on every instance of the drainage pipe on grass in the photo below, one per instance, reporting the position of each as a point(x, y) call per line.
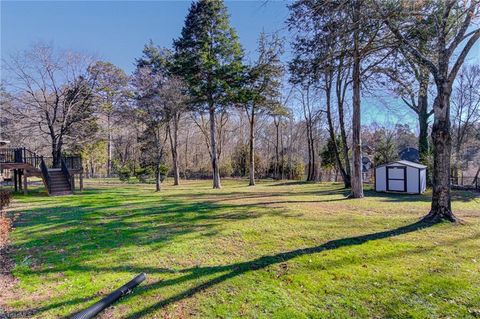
point(93, 310)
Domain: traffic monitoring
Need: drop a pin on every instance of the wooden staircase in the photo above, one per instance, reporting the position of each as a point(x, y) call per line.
point(59, 183)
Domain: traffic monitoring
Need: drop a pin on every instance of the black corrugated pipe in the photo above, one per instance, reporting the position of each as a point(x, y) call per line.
point(93, 310)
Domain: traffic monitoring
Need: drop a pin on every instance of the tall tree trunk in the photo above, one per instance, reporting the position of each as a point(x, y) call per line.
point(173, 137)
point(213, 145)
point(92, 169)
point(252, 148)
point(442, 143)
point(186, 154)
point(331, 130)
point(456, 165)
point(57, 147)
point(475, 179)
point(157, 178)
point(54, 154)
point(289, 157)
point(282, 159)
point(176, 167)
point(357, 183)
point(109, 148)
point(309, 145)
point(277, 148)
point(346, 156)
point(340, 92)
point(314, 160)
point(109, 151)
point(423, 116)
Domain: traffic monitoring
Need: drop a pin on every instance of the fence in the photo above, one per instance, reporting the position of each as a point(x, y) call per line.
point(466, 182)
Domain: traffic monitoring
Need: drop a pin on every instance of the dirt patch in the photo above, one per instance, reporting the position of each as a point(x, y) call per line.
point(5, 227)
point(7, 281)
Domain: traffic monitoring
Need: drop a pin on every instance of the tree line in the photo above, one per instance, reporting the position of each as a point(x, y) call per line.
point(200, 108)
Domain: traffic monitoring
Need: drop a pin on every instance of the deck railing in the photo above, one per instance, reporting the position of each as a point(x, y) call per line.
point(73, 162)
point(8, 155)
point(22, 155)
point(19, 155)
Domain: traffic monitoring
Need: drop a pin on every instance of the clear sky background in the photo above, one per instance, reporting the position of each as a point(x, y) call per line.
point(116, 31)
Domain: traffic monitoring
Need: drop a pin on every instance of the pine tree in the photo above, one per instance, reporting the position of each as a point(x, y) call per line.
point(209, 58)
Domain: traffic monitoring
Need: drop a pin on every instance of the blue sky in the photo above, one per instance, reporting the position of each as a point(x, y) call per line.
point(116, 31)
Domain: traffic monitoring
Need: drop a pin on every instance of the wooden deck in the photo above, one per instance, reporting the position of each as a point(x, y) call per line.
point(24, 163)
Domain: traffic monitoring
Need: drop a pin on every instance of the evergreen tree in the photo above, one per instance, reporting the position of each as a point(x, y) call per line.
point(209, 58)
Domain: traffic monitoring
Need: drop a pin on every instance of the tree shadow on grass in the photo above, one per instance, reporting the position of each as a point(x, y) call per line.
point(293, 183)
point(457, 195)
point(27, 313)
point(237, 269)
point(66, 235)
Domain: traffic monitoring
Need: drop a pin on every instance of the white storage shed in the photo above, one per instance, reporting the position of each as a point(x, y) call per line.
point(401, 177)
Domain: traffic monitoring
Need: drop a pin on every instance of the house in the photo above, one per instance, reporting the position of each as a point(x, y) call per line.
point(401, 177)
point(410, 154)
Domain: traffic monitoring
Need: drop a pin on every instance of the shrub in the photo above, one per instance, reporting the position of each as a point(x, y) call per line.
point(163, 171)
point(5, 196)
point(298, 169)
point(226, 169)
point(124, 174)
point(143, 174)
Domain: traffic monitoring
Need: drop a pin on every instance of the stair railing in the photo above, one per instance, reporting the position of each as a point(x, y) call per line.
point(66, 173)
point(46, 175)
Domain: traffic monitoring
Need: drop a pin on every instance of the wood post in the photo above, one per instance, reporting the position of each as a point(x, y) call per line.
point(25, 188)
point(73, 182)
point(19, 175)
point(15, 180)
point(81, 181)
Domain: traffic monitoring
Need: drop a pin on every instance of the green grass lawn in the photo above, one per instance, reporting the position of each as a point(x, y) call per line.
point(277, 250)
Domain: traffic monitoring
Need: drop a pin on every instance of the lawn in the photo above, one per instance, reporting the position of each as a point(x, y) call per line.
point(277, 250)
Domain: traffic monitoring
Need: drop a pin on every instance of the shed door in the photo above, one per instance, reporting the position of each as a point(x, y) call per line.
point(396, 178)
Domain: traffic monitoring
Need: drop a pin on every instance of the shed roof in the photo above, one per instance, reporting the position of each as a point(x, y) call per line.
point(406, 163)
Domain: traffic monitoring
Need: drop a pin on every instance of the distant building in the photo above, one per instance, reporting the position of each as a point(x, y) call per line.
point(366, 164)
point(401, 177)
point(4, 143)
point(409, 154)
point(367, 172)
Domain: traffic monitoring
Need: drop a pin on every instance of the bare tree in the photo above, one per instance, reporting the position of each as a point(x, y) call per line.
point(262, 89)
point(172, 96)
point(465, 111)
point(111, 93)
point(152, 114)
point(409, 81)
point(452, 24)
point(175, 103)
point(328, 32)
point(53, 92)
point(307, 96)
